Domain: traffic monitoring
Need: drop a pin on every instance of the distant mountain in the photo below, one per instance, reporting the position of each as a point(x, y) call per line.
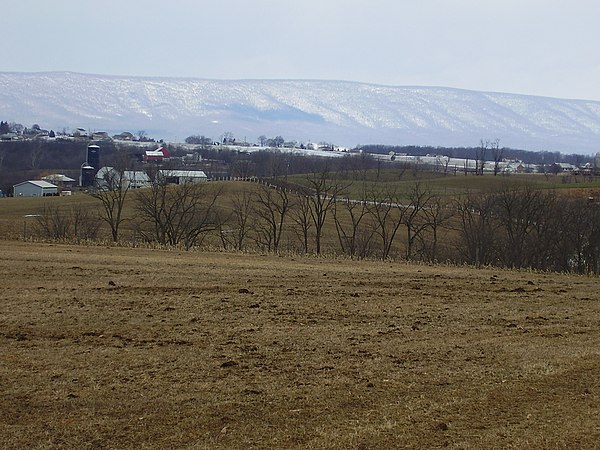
point(344, 113)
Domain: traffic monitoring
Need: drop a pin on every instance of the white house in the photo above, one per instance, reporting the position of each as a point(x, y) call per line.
point(35, 188)
point(80, 132)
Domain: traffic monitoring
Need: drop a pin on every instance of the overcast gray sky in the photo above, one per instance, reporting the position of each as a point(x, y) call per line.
point(539, 47)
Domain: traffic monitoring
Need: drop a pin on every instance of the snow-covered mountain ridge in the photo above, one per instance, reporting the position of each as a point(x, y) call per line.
point(346, 113)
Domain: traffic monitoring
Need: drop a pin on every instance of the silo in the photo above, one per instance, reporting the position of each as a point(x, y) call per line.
point(88, 173)
point(93, 157)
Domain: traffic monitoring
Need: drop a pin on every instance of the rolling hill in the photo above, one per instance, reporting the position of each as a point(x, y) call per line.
point(346, 113)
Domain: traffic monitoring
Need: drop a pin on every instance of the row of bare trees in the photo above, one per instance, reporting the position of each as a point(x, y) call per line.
point(517, 226)
point(176, 214)
point(367, 221)
point(73, 222)
point(527, 227)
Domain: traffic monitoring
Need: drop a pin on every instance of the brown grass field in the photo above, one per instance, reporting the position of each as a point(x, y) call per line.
point(104, 347)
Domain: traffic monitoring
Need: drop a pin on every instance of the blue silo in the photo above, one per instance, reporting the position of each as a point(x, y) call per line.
point(87, 176)
point(93, 157)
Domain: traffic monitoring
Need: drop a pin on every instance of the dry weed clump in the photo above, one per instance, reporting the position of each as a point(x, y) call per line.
point(108, 347)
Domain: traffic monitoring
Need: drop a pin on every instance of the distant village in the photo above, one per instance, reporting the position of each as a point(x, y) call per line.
point(184, 168)
point(95, 176)
point(17, 132)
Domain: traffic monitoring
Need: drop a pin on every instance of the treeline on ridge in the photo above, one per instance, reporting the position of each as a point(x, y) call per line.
point(525, 156)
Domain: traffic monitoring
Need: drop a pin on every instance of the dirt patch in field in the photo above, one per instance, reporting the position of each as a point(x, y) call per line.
point(129, 348)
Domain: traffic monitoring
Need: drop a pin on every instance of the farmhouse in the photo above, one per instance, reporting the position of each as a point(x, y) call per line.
point(100, 136)
point(35, 188)
point(124, 136)
point(79, 132)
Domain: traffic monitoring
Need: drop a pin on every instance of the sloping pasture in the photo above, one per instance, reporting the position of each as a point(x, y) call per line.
point(106, 347)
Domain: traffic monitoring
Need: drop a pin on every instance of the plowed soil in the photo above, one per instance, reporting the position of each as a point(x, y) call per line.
point(132, 348)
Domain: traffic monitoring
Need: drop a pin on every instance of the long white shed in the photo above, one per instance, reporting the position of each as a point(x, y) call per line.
point(35, 188)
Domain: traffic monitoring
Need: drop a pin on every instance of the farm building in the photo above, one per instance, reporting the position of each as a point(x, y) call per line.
point(157, 155)
point(184, 176)
point(35, 188)
point(138, 178)
point(60, 180)
point(132, 179)
point(125, 136)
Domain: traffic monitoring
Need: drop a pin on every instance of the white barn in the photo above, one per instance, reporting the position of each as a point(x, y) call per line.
point(132, 179)
point(35, 188)
point(138, 179)
point(62, 181)
point(184, 176)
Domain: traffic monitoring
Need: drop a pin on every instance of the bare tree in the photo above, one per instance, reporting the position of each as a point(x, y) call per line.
point(85, 224)
point(272, 163)
point(54, 222)
point(272, 206)
point(446, 164)
point(435, 216)
point(387, 212)
point(177, 214)
point(227, 138)
point(37, 150)
point(356, 235)
point(477, 229)
point(480, 154)
point(152, 207)
point(325, 190)
point(592, 246)
point(358, 165)
point(242, 219)
point(2, 156)
point(548, 235)
point(582, 236)
point(353, 236)
point(300, 215)
point(517, 212)
point(242, 168)
point(223, 228)
point(497, 155)
point(112, 190)
point(279, 165)
point(419, 198)
point(75, 222)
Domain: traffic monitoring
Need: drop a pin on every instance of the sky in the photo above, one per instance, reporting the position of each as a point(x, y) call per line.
point(536, 47)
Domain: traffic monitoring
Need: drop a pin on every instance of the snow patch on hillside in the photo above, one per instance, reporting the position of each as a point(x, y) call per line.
point(343, 112)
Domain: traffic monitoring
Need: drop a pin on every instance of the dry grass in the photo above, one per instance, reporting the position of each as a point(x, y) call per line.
point(128, 348)
point(451, 185)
